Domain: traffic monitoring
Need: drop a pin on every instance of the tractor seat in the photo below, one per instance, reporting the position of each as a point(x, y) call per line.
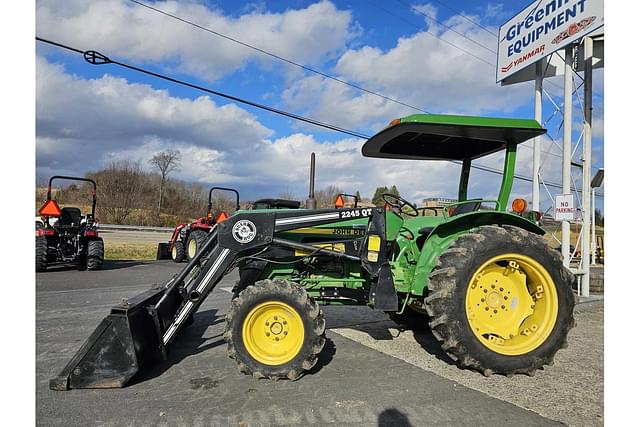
point(471, 206)
point(69, 218)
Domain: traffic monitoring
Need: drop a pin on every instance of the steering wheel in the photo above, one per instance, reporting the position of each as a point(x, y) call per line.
point(398, 203)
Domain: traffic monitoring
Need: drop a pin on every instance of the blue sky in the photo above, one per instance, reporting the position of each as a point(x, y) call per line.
point(392, 47)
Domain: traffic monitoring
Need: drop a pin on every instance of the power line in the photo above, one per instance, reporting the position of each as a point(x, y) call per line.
point(96, 58)
point(415, 9)
point(281, 58)
point(493, 33)
point(326, 75)
point(427, 31)
point(466, 17)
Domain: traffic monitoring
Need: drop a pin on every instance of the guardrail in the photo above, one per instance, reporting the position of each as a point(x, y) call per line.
point(134, 228)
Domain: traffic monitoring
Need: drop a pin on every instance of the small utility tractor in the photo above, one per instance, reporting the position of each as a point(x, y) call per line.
point(494, 294)
point(72, 238)
point(188, 238)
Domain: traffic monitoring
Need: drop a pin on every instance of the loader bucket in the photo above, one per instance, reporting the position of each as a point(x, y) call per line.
point(137, 331)
point(121, 344)
point(163, 251)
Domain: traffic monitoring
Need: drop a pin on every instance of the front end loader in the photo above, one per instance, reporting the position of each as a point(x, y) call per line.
point(480, 277)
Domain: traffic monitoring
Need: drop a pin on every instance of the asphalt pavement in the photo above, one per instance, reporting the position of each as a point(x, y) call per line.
point(353, 384)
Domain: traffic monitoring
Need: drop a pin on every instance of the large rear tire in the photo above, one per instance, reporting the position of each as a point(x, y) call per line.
point(195, 242)
point(177, 251)
point(274, 330)
point(500, 301)
point(95, 254)
point(41, 253)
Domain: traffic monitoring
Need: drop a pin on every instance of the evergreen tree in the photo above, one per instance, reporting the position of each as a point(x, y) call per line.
point(377, 195)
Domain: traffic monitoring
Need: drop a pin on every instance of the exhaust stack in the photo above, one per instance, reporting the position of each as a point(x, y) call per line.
point(311, 200)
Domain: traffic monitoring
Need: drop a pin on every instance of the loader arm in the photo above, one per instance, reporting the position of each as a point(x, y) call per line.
point(139, 331)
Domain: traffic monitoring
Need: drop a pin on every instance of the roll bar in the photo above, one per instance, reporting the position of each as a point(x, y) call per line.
point(223, 189)
point(353, 196)
point(75, 178)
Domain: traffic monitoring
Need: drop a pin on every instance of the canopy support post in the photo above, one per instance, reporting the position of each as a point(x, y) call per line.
point(507, 176)
point(464, 180)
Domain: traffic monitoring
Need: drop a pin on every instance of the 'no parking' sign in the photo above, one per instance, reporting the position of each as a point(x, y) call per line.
point(565, 207)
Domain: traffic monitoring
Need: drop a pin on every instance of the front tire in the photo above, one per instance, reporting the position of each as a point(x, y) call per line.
point(500, 301)
point(177, 251)
point(95, 254)
point(195, 242)
point(274, 330)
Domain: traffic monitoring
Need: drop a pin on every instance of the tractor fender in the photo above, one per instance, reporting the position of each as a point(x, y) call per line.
point(445, 233)
point(200, 226)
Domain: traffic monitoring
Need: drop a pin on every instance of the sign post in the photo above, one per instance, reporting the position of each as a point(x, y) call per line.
point(586, 168)
point(537, 112)
point(566, 145)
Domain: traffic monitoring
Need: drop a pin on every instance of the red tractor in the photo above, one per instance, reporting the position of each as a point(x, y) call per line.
point(72, 237)
point(188, 238)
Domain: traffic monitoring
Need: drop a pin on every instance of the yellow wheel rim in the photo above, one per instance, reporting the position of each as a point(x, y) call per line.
point(273, 333)
point(193, 246)
point(174, 252)
point(511, 304)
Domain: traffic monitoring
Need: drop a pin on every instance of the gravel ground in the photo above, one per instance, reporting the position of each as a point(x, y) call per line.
point(571, 391)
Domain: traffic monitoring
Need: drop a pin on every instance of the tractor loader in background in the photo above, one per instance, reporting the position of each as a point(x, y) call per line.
point(494, 294)
point(186, 239)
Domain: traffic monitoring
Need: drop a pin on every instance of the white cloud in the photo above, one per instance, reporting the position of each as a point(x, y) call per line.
point(80, 123)
point(83, 123)
point(123, 29)
point(422, 70)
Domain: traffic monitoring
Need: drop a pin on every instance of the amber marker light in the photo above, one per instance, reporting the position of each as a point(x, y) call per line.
point(393, 122)
point(519, 205)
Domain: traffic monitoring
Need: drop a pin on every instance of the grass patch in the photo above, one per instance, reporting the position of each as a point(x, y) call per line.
point(124, 251)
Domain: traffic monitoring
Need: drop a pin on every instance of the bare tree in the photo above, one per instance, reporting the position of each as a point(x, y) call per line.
point(119, 187)
point(327, 196)
point(166, 162)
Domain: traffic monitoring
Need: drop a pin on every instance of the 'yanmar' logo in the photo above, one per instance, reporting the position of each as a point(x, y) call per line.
point(574, 29)
point(524, 58)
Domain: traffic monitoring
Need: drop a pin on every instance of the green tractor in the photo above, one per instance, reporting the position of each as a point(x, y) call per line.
point(494, 294)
